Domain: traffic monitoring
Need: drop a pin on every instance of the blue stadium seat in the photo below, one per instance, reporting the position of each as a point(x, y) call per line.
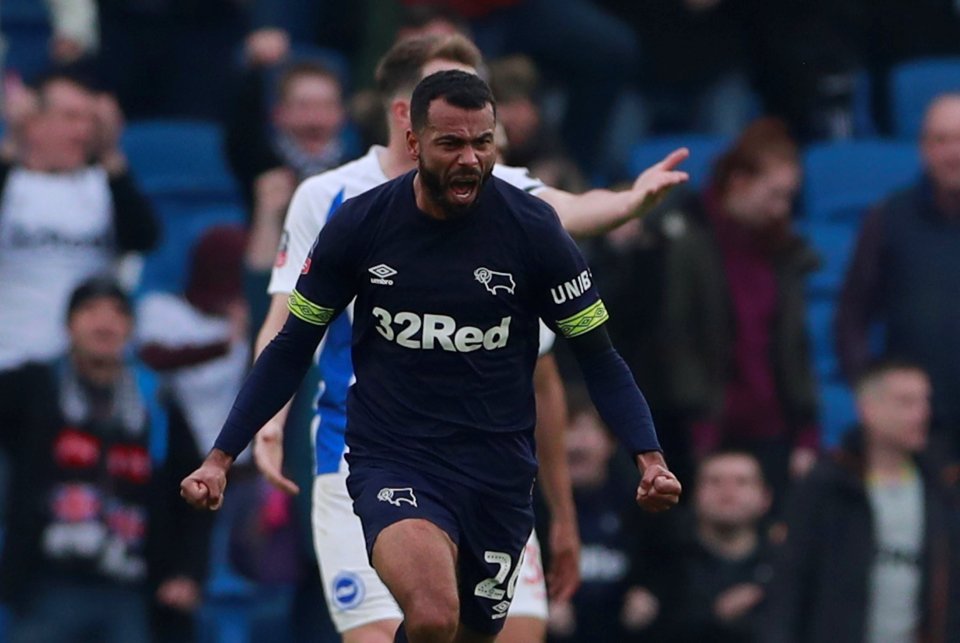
point(843, 179)
point(183, 221)
point(835, 243)
point(26, 28)
point(179, 158)
point(837, 412)
point(913, 85)
point(703, 152)
point(820, 316)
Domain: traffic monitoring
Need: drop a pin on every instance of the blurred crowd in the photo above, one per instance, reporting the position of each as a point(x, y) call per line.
point(129, 301)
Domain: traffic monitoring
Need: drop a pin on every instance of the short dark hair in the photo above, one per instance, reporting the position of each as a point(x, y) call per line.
point(765, 138)
point(458, 88)
point(879, 368)
point(730, 451)
point(99, 287)
point(44, 82)
point(401, 68)
point(301, 68)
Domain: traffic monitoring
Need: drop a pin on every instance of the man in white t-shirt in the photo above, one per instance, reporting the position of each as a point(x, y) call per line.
point(872, 552)
point(361, 607)
point(62, 218)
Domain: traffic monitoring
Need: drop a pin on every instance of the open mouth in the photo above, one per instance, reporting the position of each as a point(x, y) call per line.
point(464, 188)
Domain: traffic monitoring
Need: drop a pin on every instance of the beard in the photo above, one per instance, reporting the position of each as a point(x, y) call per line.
point(438, 188)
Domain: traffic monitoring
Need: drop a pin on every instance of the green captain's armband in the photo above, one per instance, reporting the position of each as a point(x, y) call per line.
point(304, 309)
point(584, 321)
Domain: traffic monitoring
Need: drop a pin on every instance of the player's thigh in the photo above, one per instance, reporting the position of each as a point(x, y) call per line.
point(417, 562)
point(360, 605)
point(411, 535)
point(493, 538)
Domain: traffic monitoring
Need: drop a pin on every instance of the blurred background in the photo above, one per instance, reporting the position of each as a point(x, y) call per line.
point(159, 141)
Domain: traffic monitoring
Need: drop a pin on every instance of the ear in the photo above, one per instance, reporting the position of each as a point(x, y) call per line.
point(400, 113)
point(413, 145)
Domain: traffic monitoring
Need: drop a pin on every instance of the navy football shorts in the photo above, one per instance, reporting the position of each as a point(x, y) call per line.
point(490, 535)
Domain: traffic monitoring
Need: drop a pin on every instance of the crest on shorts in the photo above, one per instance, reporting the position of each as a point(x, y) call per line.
point(492, 280)
point(396, 496)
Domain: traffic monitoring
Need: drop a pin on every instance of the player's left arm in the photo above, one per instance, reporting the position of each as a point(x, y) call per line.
point(597, 211)
point(563, 578)
point(571, 306)
point(623, 408)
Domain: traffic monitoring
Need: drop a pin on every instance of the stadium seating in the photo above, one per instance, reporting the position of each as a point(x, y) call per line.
point(174, 158)
point(834, 241)
point(820, 317)
point(26, 29)
point(843, 179)
point(837, 411)
point(913, 85)
point(183, 221)
point(703, 152)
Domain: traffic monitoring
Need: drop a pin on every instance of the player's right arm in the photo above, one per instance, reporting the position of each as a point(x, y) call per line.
point(323, 290)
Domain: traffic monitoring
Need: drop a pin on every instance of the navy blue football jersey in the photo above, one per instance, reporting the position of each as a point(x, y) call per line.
point(445, 330)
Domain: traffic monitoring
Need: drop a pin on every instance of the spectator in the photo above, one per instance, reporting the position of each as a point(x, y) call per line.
point(722, 569)
point(905, 273)
point(200, 341)
point(806, 56)
point(530, 141)
point(737, 361)
point(170, 58)
point(277, 24)
point(76, 30)
point(604, 515)
point(303, 135)
point(695, 73)
point(62, 218)
point(98, 537)
point(871, 553)
point(590, 51)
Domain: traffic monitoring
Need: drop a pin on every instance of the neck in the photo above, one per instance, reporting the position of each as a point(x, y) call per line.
point(36, 162)
point(425, 203)
point(730, 542)
point(394, 159)
point(886, 463)
point(98, 371)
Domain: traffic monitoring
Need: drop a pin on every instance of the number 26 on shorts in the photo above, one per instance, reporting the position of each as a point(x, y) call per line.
point(492, 588)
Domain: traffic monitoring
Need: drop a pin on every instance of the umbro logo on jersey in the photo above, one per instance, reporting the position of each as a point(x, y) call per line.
point(492, 280)
point(381, 274)
point(396, 496)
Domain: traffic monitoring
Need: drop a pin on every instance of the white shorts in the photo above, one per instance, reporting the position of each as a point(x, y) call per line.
point(355, 594)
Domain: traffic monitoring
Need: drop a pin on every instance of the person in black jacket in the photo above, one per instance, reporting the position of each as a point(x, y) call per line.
point(98, 539)
point(871, 552)
point(905, 273)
